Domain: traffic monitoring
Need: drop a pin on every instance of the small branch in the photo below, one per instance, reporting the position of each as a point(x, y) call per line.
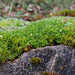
point(23, 65)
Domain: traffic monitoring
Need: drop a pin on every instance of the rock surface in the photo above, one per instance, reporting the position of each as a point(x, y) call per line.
point(59, 59)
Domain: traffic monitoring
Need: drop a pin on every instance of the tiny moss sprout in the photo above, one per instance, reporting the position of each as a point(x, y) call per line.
point(47, 73)
point(36, 60)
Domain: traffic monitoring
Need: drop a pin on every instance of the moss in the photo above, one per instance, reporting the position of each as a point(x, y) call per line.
point(36, 60)
point(51, 31)
point(47, 73)
point(65, 12)
point(12, 22)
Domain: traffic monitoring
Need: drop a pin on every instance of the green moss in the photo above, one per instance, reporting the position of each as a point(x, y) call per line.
point(65, 12)
point(36, 60)
point(11, 22)
point(42, 33)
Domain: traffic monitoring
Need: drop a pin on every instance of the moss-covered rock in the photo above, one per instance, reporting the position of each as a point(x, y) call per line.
point(52, 31)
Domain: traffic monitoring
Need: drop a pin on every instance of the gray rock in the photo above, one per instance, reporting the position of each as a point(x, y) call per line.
point(59, 59)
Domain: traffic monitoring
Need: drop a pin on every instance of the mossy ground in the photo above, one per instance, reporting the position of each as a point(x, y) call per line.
point(11, 22)
point(50, 31)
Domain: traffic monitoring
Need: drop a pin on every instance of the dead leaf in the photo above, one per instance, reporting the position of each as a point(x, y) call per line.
point(5, 9)
point(12, 14)
point(19, 9)
point(72, 6)
point(65, 20)
point(39, 16)
point(51, 14)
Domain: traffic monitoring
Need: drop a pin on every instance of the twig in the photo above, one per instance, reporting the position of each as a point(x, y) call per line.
point(23, 65)
point(54, 60)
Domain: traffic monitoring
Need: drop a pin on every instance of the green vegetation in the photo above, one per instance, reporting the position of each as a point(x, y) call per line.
point(36, 60)
point(11, 22)
point(65, 12)
point(52, 31)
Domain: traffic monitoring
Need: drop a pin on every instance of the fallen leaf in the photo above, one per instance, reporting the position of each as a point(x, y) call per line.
point(65, 20)
point(12, 14)
point(51, 14)
point(5, 9)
